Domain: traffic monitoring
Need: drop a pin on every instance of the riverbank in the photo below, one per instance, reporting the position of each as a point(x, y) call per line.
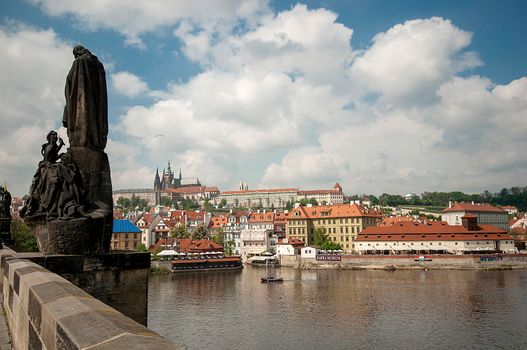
point(407, 262)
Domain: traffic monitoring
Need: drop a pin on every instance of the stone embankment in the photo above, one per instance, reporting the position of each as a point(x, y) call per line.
point(407, 262)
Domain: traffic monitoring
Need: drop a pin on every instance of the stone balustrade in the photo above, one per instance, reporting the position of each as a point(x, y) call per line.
point(45, 311)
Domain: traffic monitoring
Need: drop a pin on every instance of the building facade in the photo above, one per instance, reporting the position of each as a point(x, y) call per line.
point(341, 223)
point(436, 237)
point(125, 235)
point(486, 214)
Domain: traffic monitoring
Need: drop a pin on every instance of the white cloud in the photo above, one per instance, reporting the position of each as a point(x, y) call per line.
point(409, 61)
point(133, 18)
point(129, 84)
point(33, 68)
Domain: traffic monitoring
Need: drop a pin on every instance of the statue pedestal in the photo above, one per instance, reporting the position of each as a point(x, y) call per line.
point(76, 236)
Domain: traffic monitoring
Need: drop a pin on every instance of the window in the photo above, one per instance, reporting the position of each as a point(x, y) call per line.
point(126, 236)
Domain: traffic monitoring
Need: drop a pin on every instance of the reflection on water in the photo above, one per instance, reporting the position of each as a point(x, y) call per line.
point(341, 309)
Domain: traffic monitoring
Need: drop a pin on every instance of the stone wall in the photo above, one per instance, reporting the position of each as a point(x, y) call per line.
point(46, 311)
point(438, 261)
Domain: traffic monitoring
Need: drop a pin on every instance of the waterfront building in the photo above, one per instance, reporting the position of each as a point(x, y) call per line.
point(341, 222)
point(289, 247)
point(309, 252)
point(143, 222)
point(125, 235)
point(256, 241)
point(486, 214)
point(434, 237)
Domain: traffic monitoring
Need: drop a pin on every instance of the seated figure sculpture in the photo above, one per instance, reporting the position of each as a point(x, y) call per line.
point(56, 191)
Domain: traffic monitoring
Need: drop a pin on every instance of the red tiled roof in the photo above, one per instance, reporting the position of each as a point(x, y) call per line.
point(437, 231)
point(394, 220)
point(333, 211)
point(477, 207)
point(261, 217)
point(202, 245)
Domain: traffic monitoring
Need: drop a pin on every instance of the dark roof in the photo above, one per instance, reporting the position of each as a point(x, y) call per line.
point(124, 226)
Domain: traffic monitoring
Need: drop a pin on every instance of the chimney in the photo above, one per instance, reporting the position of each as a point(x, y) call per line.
point(472, 202)
point(450, 204)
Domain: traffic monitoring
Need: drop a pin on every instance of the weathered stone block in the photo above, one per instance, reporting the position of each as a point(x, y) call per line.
point(84, 329)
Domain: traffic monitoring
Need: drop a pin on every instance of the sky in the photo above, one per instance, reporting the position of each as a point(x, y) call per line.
point(381, 96)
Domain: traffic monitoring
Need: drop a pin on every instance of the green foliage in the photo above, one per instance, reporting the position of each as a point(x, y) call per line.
point(134, 202)
point(321, 238)
point(200, 232)
point(207, 205)
point(217, 238)
point(331, 246)
point(141, 248)
point(24, 239)
point(305, 201)
point(180, 231)
point(159, 270)
point(289, 205)
point(166, 201)
point(228, 247)
point(223, 203)
point(123, 202)
point(189, 204)
point(391, 200)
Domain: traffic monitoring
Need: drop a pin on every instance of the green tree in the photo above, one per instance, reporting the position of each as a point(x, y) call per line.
point(166, 201)
point(180, 231)
point(207, 205)
point(223, 203)
point(123, 202)
point(289, 205)
point(23, 237)
point(229, 247)
point(141, 248)
point(320, 236)
point(200, 232)
point(217, 238)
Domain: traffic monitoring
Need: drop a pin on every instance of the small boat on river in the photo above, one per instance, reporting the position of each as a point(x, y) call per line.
point(270, 279)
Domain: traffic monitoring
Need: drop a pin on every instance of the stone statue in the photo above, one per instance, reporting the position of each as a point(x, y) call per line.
point(86, 110)
point(5, 203)
point(5, 216)
point(69, 206)
point(56, 191)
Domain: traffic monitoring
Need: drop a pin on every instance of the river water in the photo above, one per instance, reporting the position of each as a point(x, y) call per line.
point(437, 309)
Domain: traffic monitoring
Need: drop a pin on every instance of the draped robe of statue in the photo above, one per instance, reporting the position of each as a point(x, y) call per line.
point(86, 110)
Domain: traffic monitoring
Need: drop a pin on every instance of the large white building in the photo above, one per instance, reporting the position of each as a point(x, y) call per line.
point(277, 198)
point(486, 214)
point(434, 237)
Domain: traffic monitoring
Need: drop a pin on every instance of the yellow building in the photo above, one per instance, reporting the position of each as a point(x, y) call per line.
point(341, 222)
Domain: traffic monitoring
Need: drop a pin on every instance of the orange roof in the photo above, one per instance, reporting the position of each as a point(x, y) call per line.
point(332, 211)
point(477, 207)
point(218, 221)
point(261, 217)
point(437, 231)
point(202, 245)
point(394, 220)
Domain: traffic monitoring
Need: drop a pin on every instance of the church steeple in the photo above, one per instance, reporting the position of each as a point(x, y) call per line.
point(157, 180)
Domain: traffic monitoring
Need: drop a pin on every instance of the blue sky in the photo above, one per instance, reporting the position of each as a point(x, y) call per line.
point(381, 96)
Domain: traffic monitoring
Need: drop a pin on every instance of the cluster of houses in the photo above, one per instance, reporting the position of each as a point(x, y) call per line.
point(465, 228)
